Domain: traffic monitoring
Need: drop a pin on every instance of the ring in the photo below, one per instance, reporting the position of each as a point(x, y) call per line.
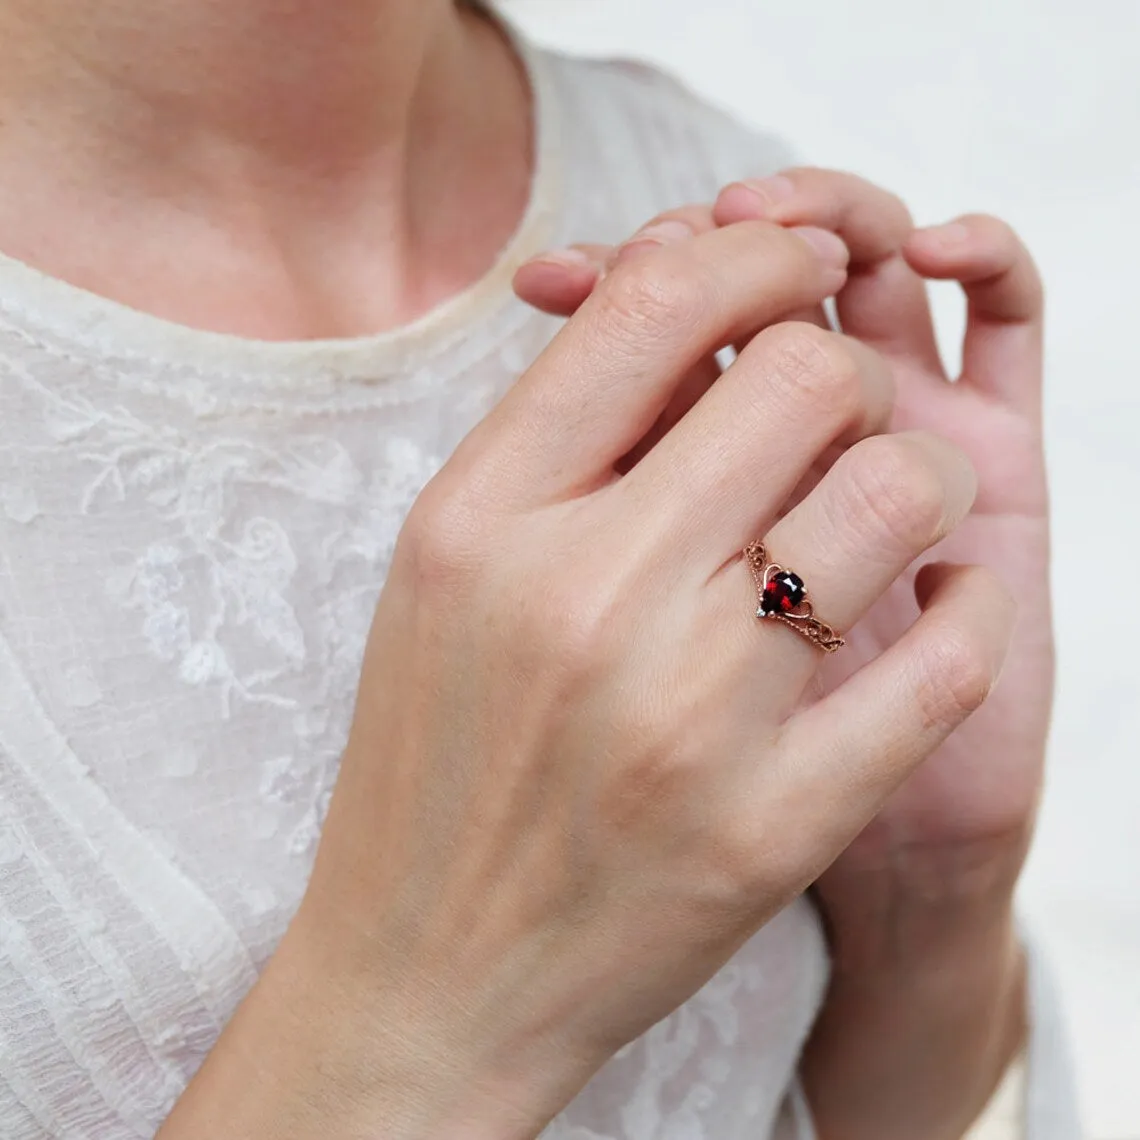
point(784, 597)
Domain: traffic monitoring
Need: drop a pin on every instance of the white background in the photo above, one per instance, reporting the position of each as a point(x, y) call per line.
point(1029, 109)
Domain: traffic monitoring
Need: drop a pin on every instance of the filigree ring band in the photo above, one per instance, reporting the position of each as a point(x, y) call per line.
point(783, 597)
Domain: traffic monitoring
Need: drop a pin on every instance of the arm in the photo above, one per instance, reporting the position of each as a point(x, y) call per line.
point(927, 1006)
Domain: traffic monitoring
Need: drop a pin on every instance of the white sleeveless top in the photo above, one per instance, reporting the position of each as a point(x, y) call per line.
point(194, 529)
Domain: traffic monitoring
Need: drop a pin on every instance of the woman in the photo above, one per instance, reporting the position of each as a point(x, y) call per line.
point(255, 292)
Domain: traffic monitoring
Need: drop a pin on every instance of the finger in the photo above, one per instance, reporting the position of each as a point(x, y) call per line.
point(558, 281)
point(600, 385)
point(885, 301)
point(841, 758)
point(668, 227)
point(1002, 351)
point(733, 460)
point(881, 505)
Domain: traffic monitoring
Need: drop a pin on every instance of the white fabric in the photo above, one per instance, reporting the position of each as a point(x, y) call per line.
point(1003, 1116)
point(193, 532)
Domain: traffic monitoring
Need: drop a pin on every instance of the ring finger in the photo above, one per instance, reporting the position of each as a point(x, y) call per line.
point(883, 503)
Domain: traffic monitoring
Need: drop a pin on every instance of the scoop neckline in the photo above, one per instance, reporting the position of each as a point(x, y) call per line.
point(87, 320)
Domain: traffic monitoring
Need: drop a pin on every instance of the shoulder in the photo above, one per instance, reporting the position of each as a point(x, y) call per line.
point(646, 134)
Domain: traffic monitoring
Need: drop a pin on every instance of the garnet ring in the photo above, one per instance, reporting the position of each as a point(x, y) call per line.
point(783, 597)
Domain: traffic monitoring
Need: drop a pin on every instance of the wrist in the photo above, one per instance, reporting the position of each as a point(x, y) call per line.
point(408, 1051)
point(918, 905)
point(321, 1048)
point(916, 1049)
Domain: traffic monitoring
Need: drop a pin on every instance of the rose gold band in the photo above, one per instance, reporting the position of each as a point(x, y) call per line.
point(783, 596)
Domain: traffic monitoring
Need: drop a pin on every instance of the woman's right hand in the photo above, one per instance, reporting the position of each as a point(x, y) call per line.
point(581, 773)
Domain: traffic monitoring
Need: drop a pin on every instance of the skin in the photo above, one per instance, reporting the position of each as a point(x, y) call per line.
point(927, 999)
point(324, 184)
point(328, 160)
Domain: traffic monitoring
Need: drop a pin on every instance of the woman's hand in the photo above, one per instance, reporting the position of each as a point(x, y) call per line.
point(926, 891)
point(577, 780)
point(983, 787)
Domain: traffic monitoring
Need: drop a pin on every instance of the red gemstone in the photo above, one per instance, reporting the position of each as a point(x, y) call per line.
point(782, 593)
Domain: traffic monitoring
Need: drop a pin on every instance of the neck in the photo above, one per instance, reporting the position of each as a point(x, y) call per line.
point(302, 78)
point(287, 118)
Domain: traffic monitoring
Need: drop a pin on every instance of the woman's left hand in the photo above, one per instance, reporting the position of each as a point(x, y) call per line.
point(928, 886)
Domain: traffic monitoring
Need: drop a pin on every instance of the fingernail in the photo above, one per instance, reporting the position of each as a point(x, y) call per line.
point(658, 233)
point(570, 257)
point(830, 247)
point(777, 188)
point(950, 234)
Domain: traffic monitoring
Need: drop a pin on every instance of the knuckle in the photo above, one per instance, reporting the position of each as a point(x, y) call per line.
point(814, 366)
point(896, 493)
point(661, 294)
point(440, 542)
point(956, 677)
